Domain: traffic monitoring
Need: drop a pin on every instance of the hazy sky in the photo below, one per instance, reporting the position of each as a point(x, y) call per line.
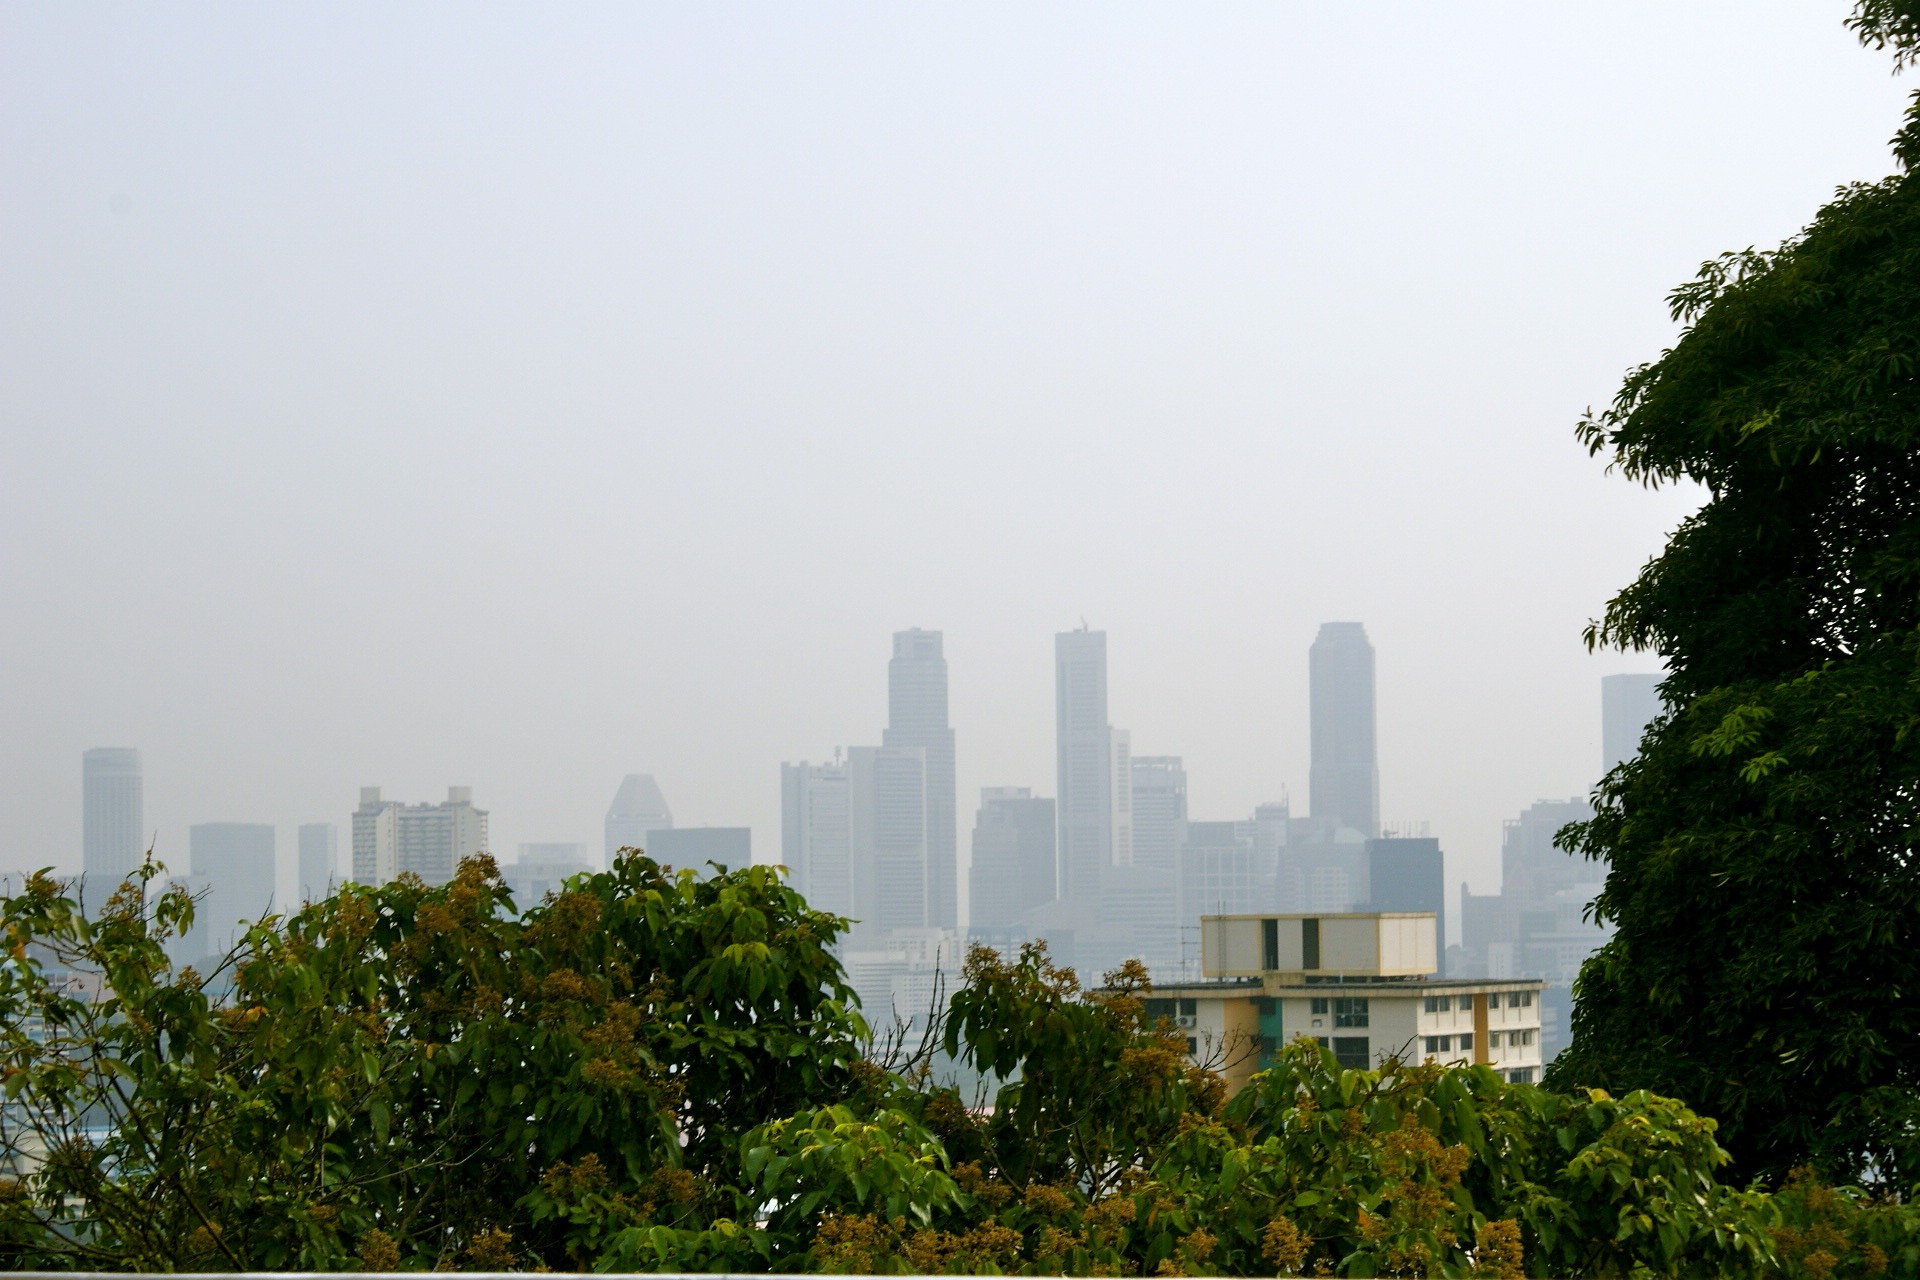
point(522, 396)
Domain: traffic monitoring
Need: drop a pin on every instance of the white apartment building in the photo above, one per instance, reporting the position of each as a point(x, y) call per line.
point(428, 840)
point(1362, 984)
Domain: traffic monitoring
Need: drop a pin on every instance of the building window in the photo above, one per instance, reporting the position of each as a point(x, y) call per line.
point(1519, 999)
point(1193, 1046)
point(1349, 1011)
point(1263, 1005)
point(1493, 1040)
point(1464, 1042)
point(1189, 1008)
point(1439, 1004)
point(1521, 1075)
point(1351, 1052)
point(1439, 1044)
point(1309, 944)
point(1317, 1005)
point(1526, 1037)
point(1270, 944)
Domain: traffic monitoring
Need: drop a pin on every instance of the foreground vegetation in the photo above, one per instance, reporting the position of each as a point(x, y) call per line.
point(665, 1070)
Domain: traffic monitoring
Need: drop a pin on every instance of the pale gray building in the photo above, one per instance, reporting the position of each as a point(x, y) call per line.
point(1087, 753)
point(427, 840)
point(1344, 778)
point(1159, 811)
point(112, 817)
point(887, 837)
point(543, 868)
point(917, 717)
point(232, 880)
point(697, 846)
point(638, 810)
point(1013, 867)
point(815, 835)
point(318, 859)
point(1628, 704)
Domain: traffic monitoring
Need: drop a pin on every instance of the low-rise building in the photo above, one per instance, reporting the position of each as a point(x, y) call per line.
point(1365, 985)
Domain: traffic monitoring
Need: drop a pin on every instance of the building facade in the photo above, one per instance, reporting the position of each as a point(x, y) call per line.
point(319, 851)
point(426, 840)
point(638, 810)
point(1012, 869)
point(815, 833)
point(113, 838)
point(917, 718)
point(1088, 754)
point(1628, 704)
point(697, 846)
point(1344, 777)
point(233, 867)
point(1363, 985)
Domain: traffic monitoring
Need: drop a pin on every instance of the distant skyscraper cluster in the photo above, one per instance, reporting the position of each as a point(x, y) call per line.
point(1112, 866)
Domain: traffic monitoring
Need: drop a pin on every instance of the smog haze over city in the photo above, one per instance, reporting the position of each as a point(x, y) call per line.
point(521, 398)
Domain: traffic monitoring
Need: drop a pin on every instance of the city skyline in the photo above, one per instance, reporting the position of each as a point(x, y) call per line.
point(983, 325)
point(1137, 809)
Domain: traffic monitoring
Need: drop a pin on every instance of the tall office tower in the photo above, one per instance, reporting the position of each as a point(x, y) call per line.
point(1628, 705)
point(638, 809)
point(1086, 752)
point(887, 837)
point(428, 840)
point(697, 846)
point(319, 844)
point(815, 836)
point(1012, 869)
point(1344, 781)
point(232, 882)
point(112, 818)
point(1159, 811)
point(917, 717)
point(1409, 874)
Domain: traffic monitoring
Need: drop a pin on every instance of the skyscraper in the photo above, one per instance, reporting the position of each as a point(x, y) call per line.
point(887, 837)
point(1159, 811)
point(1085, 758)
point(232, 882)
point(1344, 781)
point(428, 840)
point(319, 845)
point(917, 717)
point(1628, 704)
point(637, 809)
point(1012, 868)
point(814, 835)
point(113, 818)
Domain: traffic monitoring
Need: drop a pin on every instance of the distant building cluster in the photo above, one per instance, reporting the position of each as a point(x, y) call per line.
point(1111, 867)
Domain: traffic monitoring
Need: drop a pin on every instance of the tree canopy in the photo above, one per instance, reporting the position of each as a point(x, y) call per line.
point(664, 1070)
point(1762, 848)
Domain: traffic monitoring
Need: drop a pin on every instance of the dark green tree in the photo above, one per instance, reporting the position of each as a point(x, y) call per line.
point(1764, 849)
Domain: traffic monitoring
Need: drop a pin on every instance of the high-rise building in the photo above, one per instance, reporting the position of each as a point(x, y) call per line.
point(697, 846)
point(112, 818)
point(917, 717)
point(1012, 868)
point(1087, 753)
point(1159, 811)
point(232, 882)
point(815, 839)
point(1344, 779)
point(428, 840)
point(887, 837)
point(1628, 704)
point(319, 847)
point(1408, 873)
point(638, 810)
point(543, 868)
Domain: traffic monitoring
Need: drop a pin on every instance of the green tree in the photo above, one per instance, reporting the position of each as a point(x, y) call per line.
point(1764, 849)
